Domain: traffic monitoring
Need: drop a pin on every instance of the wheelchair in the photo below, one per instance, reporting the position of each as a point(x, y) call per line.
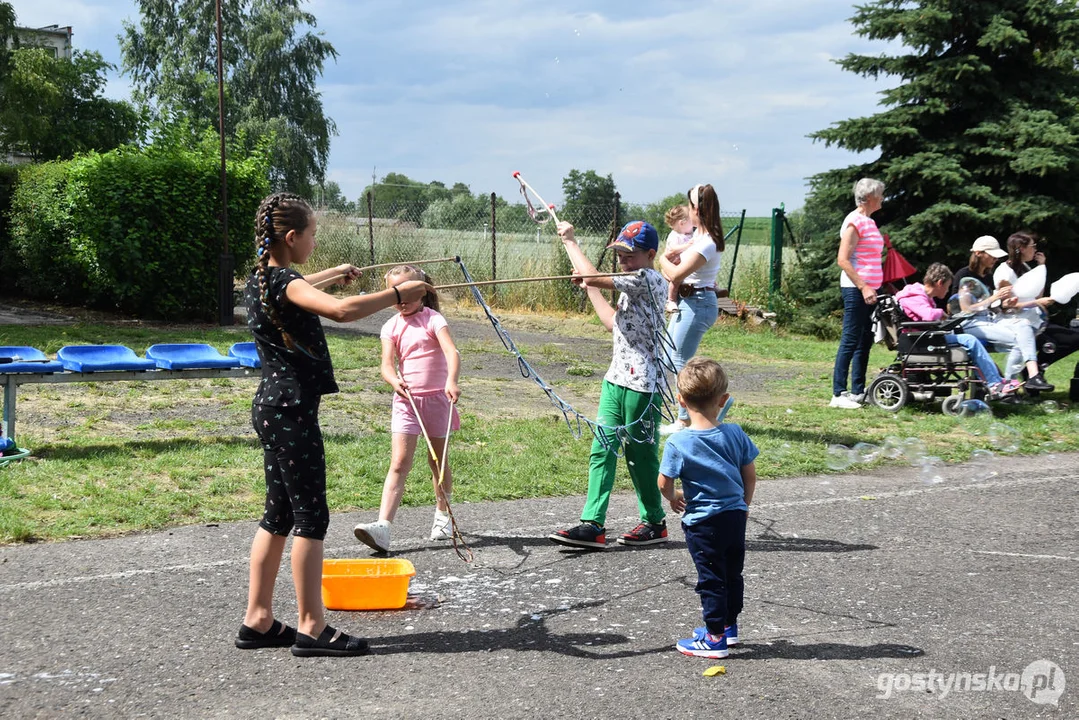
point(926, 367)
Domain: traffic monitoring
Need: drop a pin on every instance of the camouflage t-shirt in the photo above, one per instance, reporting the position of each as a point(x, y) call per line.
point(637, 319)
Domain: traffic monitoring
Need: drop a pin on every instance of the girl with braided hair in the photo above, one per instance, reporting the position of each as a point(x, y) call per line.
point(283, 312)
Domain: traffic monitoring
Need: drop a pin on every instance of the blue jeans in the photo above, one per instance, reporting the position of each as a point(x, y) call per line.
point(1006, 336)
point(978, 354)
point(854, 344)
point(695, 315)
point(717, 545)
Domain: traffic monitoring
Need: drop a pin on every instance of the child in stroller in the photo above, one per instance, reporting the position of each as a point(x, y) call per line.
point(932, 360)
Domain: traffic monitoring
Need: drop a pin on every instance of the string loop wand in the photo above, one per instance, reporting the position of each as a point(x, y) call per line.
point(330, 280)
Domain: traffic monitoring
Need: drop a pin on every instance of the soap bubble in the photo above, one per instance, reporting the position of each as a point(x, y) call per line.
point(972, 408)
point(893, 447)
point(865, 452)
point(914, 450)
point(783, 452)
point(932, 468)
point(826, 485)
point(984, 463)
point(1050, 407)
point(971, 290)
point(1049, 347)
point(1004, 438)
point(838, 457)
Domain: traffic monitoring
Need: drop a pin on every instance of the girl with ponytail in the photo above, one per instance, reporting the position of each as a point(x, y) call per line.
point(283, 311)
point(694, 271)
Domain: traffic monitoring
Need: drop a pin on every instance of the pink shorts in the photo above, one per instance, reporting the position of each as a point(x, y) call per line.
point(435, 409)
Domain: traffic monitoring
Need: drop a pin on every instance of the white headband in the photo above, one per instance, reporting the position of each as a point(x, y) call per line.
point(694, 195)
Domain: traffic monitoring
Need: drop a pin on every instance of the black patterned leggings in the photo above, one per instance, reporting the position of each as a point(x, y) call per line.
point(295, 464)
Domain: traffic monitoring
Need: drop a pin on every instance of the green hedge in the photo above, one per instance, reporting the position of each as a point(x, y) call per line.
point(133, 230)
point(8, 176)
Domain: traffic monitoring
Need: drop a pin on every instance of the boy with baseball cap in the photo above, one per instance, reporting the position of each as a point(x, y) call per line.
point(629, 396)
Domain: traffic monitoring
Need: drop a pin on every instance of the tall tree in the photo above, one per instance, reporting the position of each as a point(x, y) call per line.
point(272, 61)
point(980, 135)
point(53, 107)
point(588, 199)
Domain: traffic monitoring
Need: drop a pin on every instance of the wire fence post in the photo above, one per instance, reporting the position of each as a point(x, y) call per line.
point(775, 275)
point(494, 242)
point(371, 227)
point(737, 244)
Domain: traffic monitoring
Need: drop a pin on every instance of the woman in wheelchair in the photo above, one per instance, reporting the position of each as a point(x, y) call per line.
point(916, 302)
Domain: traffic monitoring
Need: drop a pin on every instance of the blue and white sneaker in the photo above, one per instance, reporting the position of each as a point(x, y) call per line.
point(708, 646)
point(730, 632)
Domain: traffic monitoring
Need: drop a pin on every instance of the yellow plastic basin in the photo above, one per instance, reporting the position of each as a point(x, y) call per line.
point(366, 584)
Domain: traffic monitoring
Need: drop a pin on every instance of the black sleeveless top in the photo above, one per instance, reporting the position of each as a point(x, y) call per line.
point(288, 376)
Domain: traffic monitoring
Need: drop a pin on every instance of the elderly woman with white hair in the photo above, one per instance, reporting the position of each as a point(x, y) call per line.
point(859, 258)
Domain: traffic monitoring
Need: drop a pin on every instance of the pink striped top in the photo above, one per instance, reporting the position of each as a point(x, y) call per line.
point(867, 251)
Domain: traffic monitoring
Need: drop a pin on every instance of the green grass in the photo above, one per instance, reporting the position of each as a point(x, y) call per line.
point(111, 458)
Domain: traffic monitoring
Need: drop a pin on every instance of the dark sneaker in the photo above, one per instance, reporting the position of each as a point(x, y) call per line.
point(646, 534)
point(585, 535)
point(1038, 383)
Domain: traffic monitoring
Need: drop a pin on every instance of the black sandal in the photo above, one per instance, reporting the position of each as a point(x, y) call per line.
point(279, 635)
point(331, 643)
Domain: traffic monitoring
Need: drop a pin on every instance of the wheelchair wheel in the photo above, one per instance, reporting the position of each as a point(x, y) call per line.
point(952, 405)
point(889, 392)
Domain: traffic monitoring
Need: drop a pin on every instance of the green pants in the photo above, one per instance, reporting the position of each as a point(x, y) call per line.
point(620, 406)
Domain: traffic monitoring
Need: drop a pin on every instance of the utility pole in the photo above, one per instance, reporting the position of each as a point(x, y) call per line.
point(225, 261)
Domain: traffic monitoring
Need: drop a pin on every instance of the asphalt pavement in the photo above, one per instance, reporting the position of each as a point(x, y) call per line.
point(867, 595)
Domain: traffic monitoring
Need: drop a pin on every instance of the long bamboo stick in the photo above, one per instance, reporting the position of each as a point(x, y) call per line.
point(330, 280)
point(533, 279)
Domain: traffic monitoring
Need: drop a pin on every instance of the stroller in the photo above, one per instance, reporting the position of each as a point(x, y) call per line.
point(926, 367)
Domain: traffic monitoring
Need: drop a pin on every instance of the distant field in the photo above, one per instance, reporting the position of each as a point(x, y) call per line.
point(517, 254)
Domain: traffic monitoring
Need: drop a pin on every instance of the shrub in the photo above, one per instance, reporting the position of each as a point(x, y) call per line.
point(8, 176)
point(133, 230)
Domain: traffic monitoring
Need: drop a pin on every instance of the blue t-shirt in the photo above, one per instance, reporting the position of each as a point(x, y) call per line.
point(709, 464)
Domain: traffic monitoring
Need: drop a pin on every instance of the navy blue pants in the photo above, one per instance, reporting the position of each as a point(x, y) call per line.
point(854, 344)
point(295, 464)
point(718, 548)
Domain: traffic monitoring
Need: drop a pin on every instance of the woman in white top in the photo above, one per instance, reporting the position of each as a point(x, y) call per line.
point(694, 271)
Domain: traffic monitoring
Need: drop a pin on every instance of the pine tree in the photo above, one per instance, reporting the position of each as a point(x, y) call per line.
point(980, 136)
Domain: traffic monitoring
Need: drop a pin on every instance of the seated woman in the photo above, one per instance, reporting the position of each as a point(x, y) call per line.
point(984, 254)
point(1056, 341)
point(1017, 338)
point(917, 304)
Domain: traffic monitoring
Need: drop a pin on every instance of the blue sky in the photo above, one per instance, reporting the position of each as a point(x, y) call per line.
point(662, 95)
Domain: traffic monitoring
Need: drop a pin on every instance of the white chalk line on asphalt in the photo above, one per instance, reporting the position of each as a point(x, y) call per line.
point(531, 531)
point(1024, 555)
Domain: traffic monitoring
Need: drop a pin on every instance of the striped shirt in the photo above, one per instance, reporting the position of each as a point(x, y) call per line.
point(867, 251)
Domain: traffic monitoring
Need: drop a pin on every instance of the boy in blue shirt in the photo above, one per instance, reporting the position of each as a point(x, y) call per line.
point(715, 464)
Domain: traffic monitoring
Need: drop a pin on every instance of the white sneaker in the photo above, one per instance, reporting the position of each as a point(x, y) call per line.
point(672, 428)
point(845, 402)
point(859, 398)
point(375, 535)
point(440, 529)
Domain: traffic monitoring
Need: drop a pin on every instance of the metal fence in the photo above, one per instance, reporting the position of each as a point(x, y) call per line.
point(495, 240)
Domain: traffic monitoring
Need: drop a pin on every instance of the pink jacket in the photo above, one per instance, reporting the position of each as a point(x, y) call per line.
point(917, 304)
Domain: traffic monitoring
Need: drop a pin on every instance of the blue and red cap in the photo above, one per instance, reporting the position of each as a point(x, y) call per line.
point(637, 235)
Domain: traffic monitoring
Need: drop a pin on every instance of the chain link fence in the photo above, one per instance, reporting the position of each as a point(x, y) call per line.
point(494, 239)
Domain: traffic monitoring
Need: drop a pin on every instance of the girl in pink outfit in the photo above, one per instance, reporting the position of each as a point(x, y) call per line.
point(418, 359)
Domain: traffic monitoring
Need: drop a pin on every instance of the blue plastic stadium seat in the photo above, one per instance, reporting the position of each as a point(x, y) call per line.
point(23, 359)
point(189, 356)
point(246, 353)
point(99, 358)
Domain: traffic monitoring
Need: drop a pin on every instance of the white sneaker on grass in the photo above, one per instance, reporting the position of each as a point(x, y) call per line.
point(440, 528)
point(859, 398)
point(375, 535)
point(845, 402)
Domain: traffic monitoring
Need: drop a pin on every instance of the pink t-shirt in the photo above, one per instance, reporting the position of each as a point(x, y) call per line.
point(422, 362)
point(867, 251)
